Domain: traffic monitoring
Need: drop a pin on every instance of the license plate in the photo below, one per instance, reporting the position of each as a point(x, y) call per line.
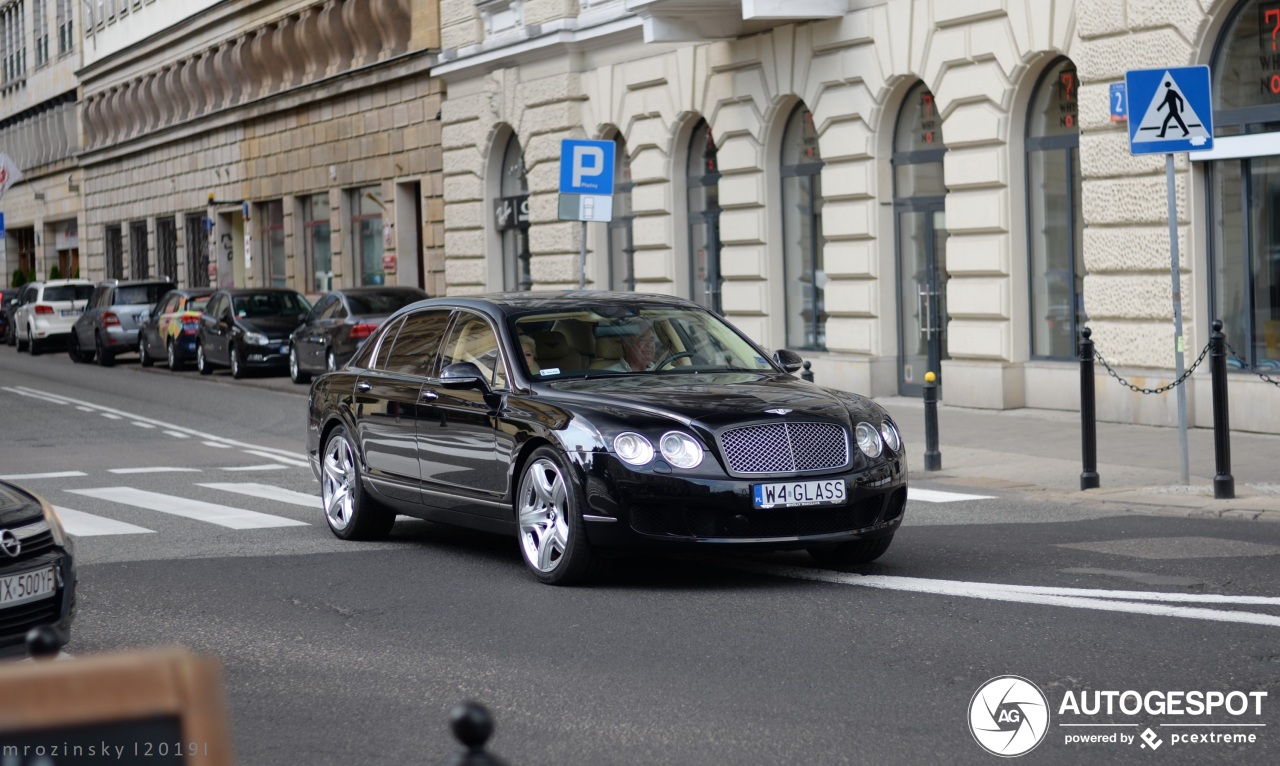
point(284, 349)
point(798, 493)
point(28, 586)
point(71, 312)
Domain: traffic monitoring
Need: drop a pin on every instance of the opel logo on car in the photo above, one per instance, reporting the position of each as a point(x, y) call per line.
point(10, 543)
point(1009, 716)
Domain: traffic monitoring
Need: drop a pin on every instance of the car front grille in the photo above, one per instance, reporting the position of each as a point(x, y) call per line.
point(771, 448)
point(36, 539)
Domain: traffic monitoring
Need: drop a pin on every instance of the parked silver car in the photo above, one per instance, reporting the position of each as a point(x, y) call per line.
point(46, 311)
point(110, 325)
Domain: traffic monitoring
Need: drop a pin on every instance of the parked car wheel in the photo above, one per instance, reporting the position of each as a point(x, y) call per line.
point(19, 341)
point(851, 553)
point(73, 349)
point(348, 509)
point(144, 354)
point(171, 352)
point(34, 344)
point(549, 507)
point(105, 356)
point(296, 373)
point(202, 364)
point(237, 364)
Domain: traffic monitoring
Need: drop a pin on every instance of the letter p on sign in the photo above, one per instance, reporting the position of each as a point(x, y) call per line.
point(588, 161)
point(586, 167)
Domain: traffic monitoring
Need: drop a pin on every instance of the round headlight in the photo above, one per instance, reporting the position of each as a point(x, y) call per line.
point(868, 439)
point(681, 450)
point(633, 448)
point(891, 437)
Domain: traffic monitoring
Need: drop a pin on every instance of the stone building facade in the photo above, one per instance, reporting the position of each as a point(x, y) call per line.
point(893, 185)
point(278, 142)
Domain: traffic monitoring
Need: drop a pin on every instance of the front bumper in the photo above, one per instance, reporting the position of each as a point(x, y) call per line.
point(640, 508)
point(273, 355)
point(56, 612)
point(121, 340)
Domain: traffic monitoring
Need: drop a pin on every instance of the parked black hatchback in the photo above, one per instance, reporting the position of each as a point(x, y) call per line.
point(248, 328)
point(583, 421)
point(37, 570)
point(339, 323)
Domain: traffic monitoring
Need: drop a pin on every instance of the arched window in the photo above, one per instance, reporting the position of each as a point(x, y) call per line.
point(1244, 192)
point(622, 265)
point(511, 214)
point(1054, 224)
point(802, 241)
point(702, 175)
point(919, 206)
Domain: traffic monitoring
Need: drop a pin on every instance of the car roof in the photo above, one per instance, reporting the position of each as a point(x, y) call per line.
point(234, 291)
point(133, 282)
point(61, 282)
point(193, 292)
point(520, 302)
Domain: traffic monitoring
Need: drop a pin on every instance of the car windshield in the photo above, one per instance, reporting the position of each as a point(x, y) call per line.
point(631, 340)
point(141, 295)
point(275, 304)
point(381, 303)
point(68, 293)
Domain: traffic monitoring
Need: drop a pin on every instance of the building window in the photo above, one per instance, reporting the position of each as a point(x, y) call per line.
point(66, 27)
point(702, 176)
point(1055, 227)
point(273, 242)
point(197, 240)
point(511, 215)
point(317, 247)
point(138, 267)
point(1244, 194)
point(40, 31)
point(114, 249)
point(622, 248)
point(802, 241)
point(13, 25)
point(167, 248)
point(366, 228)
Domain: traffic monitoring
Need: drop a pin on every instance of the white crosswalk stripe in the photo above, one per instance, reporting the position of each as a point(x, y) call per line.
point(268, 492)
point(936, 496)
point(154, 469)
point(222, 515)
point(53, 475)
point(299, 462)
point(81, 524)
point(268, 467)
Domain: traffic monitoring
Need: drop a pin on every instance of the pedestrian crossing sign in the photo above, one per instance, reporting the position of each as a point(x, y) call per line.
point(1170, 110)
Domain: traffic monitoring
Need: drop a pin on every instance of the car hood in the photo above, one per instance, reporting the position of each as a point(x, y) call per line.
point(17, 506)
point(716, 399)
point(272, 327)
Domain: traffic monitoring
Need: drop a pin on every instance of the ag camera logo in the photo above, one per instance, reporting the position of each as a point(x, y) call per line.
point(1009, 716)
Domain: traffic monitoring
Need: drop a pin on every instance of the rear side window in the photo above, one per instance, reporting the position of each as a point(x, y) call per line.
point(415, 349)
point(197, 304)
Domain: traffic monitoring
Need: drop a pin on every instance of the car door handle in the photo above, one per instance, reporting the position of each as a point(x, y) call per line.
point(429, 396)
point(362, 386)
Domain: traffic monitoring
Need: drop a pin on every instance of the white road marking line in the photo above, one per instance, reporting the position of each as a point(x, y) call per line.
point(112, 416)
point(1031, 594)
point(142, 425)
point(85, 409)
point(176, 434)
point(153, 469)
point(255, 468)
point(81, 524)
point(278, 458)
point(222, 515)
point(936, 496)
point(54, 475)
point(34, 395)
point(269, 492)
point(219, 445)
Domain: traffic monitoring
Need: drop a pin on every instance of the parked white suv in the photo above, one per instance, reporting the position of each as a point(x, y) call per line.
point(48, 311)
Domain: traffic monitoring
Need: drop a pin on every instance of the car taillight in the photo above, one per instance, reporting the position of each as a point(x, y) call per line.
point(362, 330)
point(108, 318)
point(43, 309)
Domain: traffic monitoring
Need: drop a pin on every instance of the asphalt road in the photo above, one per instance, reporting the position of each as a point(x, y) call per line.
point(340, 653)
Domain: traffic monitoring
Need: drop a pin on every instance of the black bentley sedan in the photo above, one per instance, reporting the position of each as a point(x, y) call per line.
point(37, 570)
point(586, 421)
point(337, 325)
point(248, 328)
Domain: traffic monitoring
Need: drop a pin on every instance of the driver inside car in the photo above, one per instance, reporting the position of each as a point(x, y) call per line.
point(638, 349)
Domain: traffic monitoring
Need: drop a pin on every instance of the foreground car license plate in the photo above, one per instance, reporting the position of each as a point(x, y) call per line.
point(796, 493)
point(28, 586)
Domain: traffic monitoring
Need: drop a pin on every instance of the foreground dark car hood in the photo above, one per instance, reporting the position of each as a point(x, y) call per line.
point(16, 505)
point(272, 327)
point(715, 398)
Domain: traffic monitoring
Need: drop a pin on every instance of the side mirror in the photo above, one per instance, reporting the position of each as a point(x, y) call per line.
point(463, 375)
point(788, 359)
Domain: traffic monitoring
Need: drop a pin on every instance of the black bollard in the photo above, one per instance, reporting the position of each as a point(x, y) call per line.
point(472, 726)
point(1224, 486)
point(807, 374)
point(1088, 415)
point(932, 457)
point(42, 642)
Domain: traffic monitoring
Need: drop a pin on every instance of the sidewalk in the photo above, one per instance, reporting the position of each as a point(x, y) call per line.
point(1038, 452)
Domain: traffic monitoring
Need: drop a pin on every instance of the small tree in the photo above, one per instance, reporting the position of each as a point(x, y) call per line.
point(54, 272)
point(19, 278)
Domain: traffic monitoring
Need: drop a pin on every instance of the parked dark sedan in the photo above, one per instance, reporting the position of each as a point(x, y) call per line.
point(584, 421)
point(339, 323)
point(37, 570)
point(248, 328)
point(170, 333)
point(8, 304)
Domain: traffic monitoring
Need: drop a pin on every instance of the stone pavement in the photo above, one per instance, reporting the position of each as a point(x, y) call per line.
point(1038, 452)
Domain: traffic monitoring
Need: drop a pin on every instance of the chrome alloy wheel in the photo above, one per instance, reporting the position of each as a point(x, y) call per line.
point(293, 363)
point(337, 485)
point(544, 522)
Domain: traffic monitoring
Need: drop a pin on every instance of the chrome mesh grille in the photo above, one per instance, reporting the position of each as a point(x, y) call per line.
point(785, 448)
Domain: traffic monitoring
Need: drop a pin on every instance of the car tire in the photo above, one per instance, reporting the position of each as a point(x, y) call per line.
point(852, 553)
point(552, 535)
point(171, 354)
point(330, 361)
point(74, 350)
point(237, 364)
point(202, 363)
point(19, 342)
point(296, 373)
point(104, 356)
point(348, 509)
point(144, 356)
point(34, 344)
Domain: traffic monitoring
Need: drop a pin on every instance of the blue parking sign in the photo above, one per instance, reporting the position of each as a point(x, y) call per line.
point(1171, 110)
point(586, 167)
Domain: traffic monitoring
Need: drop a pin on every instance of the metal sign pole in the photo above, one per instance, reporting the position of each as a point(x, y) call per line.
point(1179, 343)
point(582, 264)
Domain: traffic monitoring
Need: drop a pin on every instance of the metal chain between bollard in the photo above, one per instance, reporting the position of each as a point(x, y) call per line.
point(1161, 389)
point(1251, 368)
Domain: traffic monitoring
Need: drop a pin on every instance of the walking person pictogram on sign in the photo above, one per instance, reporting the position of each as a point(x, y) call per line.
point(1175, 103)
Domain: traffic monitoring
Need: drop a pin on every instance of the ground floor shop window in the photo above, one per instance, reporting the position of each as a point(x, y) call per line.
point(317, 247)
point(366, 228)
